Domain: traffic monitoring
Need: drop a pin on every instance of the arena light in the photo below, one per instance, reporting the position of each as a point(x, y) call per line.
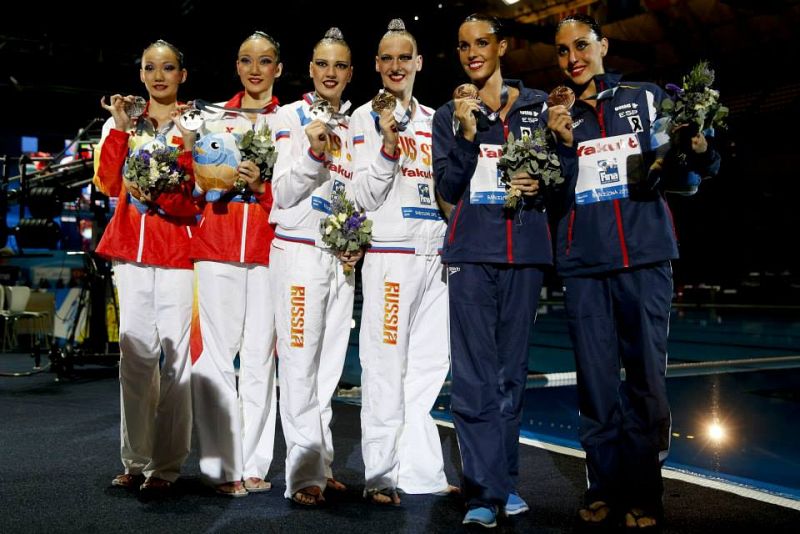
point(510, 2)
point(716, 432)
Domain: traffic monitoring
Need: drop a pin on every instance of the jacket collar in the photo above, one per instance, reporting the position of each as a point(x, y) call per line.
point(236, 102)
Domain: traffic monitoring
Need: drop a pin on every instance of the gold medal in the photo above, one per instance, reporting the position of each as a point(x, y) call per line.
point(383, 100)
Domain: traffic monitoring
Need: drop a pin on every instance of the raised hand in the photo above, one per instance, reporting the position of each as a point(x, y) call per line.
point(388, 125)
point(122, 121)
point(464, 112)
point(559, 121)
point(317, 133)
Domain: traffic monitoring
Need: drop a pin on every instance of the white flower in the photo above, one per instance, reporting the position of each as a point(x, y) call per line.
point(342, 217)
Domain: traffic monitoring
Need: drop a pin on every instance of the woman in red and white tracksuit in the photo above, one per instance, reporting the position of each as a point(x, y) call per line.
point(148, 241)
point(314, 298)
point(403, 339)
point(235, 312)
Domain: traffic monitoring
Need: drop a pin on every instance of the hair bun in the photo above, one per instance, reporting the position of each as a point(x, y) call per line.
point(335, 34)
point(397, 25)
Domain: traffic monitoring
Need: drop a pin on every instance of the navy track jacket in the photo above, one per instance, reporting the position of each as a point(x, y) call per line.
point(480, 231)
point(607, 235)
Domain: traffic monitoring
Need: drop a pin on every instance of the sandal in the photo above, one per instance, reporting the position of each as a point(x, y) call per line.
point(126, 480)
point(154, 487)
point(636, 518)
point(257, 485)
point(308, 496)
point(335, 485)
point(384, 497)
point(231, 489)
point(449, 490)
point(597, 513)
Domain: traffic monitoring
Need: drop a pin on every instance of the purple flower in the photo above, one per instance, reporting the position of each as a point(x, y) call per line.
point(675, 89)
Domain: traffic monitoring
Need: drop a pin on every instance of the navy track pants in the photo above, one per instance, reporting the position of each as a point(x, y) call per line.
point(492, 310)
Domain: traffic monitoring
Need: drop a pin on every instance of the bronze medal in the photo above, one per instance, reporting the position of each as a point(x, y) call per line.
point(561, 96)
point(466, 90)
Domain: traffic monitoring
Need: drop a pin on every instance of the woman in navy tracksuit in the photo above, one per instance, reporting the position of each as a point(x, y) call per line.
point(614, 245)
point(495, 258)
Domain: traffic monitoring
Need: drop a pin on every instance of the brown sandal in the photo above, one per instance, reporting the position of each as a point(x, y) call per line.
point(257, 485)
point(156, 487)
point(308, 496)
point(596, 513)
point(335, 485)
point(636, 518)
point(231, 489)
point(126, 480)
point(384, 497)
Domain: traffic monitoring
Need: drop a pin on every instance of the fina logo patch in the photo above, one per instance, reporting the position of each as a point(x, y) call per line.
point(609, 171)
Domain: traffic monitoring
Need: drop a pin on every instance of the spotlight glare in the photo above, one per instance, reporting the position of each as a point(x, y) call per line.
point(716, 432)
point(510, 2)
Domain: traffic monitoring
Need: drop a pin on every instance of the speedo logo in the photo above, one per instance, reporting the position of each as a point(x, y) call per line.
point(391, 312)
point(588, 150)
point(297, 329)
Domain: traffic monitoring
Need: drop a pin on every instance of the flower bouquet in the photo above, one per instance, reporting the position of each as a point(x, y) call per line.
point(692, 108)
point(534, 154)
point(345, 229)
point(154, 171)
point(257, 146)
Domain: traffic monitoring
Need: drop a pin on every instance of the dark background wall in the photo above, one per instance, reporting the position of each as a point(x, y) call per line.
point(55, 65)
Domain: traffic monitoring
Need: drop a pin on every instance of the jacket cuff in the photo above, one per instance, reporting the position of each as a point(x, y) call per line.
point(470, 147)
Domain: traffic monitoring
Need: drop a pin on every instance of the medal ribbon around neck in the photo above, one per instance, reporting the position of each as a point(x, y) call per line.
point(492, 115)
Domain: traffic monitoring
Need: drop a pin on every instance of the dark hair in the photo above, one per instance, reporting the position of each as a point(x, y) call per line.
point(162, 42)
point(398, 27)
point(494, 22)
point(264, 35)
point(583, 19)
point(333, 36)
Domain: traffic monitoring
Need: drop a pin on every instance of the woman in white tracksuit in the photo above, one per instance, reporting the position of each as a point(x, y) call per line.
point(235, 421)
point(148, 241)
point(403, 339)
point(314, 299)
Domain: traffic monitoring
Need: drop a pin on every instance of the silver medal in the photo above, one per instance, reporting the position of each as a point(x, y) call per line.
point(191, 119)
point(136, 108)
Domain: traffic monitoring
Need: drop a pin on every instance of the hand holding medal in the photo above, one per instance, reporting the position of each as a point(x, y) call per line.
point(468, 90)
point(559, 120)
point(561, 96)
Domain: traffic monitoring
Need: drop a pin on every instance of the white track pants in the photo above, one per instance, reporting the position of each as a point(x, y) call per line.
point(235, 432)
point(403, 347)
point(155, 307)
point(314, 311)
